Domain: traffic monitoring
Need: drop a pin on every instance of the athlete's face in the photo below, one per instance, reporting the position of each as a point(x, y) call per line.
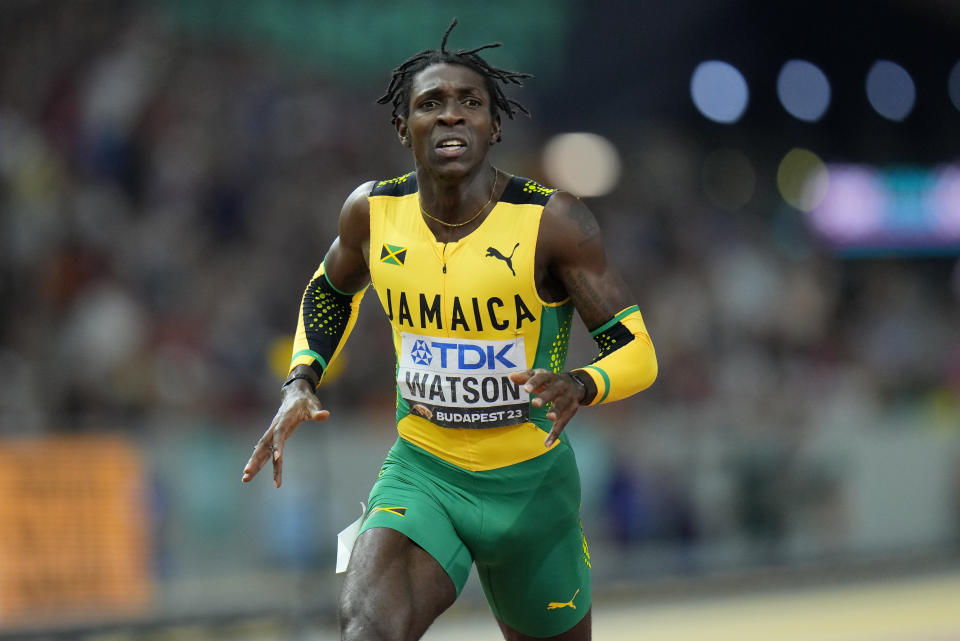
point(450, 126)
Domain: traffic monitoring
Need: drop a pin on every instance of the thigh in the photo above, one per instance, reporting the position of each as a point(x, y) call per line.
point(537, 578)
point(543, 588)
point(393, 589)
point(411, 502)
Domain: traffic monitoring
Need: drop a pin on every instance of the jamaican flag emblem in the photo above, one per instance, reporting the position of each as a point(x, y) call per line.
point(393, 254)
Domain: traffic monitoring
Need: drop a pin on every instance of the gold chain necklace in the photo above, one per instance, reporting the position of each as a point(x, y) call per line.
point(496, 178)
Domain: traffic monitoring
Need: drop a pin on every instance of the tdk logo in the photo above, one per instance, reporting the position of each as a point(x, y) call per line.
point(463, 356)
point(420, 353)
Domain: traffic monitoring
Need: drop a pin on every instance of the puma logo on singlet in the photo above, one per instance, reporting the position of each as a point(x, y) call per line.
point(493, 252)
point(553, 605)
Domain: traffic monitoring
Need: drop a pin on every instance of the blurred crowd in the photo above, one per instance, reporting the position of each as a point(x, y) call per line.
point(163, 201)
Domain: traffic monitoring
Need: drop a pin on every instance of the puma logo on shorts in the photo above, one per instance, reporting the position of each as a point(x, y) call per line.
point(553, 605)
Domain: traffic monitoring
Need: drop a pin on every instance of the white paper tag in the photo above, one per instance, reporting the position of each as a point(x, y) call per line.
point(346, 539)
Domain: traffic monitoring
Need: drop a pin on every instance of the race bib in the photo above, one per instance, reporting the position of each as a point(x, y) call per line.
point(459, 382)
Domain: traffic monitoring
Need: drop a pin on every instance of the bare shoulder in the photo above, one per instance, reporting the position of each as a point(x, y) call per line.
point(575, 259)
point(569, 228)
point(354, 224)
point(346, 260)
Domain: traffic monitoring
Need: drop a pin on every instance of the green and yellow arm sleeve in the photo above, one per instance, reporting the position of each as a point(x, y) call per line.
point(327, 316)
point(627, 362)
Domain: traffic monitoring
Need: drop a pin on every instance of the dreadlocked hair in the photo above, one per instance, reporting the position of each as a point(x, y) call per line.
point(398, 91)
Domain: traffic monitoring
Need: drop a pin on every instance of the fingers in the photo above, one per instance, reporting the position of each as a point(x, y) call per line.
point(561, 416)
point(548, 387)
point(284, 424)
point(534, 381)
point(261, 453)
point(555, 432)
point(276, 452)
point(521, 377)
point(277, 467)
point(282, 430)
point(266, 448)
point(279, 440)
point(557, 390)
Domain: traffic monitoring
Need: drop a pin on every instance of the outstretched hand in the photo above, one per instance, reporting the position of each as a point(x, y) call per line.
point(549, 387)
point(299, 404)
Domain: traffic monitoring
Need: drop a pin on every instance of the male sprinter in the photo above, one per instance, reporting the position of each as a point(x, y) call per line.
point(479, 273)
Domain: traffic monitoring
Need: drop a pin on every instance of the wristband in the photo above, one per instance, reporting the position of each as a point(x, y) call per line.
point(300, 376)
point(582, 386)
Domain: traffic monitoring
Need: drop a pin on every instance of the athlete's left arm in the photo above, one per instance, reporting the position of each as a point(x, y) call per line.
point(571, 260)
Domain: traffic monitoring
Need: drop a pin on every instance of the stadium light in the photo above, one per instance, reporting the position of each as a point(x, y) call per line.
point(802, 179)
point(953, 85)
point(584, 164)
point(804, 90)
point(890, 90)
point(719, 91)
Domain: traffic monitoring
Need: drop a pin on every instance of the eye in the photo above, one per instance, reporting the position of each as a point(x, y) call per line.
point(473, 102)
point(428, 104)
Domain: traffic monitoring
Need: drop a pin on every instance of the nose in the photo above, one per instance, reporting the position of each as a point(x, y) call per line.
point(451, 113)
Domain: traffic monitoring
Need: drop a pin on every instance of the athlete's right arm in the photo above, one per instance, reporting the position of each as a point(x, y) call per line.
point(330, 303)
point(327, 301)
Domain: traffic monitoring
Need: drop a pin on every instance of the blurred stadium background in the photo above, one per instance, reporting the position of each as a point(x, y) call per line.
point(779, 182)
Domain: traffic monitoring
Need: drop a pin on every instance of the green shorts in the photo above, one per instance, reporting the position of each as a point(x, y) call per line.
point(520, 524)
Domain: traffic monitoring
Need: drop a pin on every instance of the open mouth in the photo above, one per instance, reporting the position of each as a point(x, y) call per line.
point(451, 147)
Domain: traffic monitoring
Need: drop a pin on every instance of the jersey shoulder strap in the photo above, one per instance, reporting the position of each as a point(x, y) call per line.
point(399, 186)
point(524, 191)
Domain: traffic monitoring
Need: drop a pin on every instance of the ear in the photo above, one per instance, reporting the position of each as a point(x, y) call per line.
point(495, 132)
point(402, 132)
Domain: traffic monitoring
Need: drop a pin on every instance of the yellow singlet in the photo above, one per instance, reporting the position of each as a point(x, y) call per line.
point(465, 314)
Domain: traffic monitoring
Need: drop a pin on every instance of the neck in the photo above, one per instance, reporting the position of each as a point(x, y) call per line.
point(456, 200)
